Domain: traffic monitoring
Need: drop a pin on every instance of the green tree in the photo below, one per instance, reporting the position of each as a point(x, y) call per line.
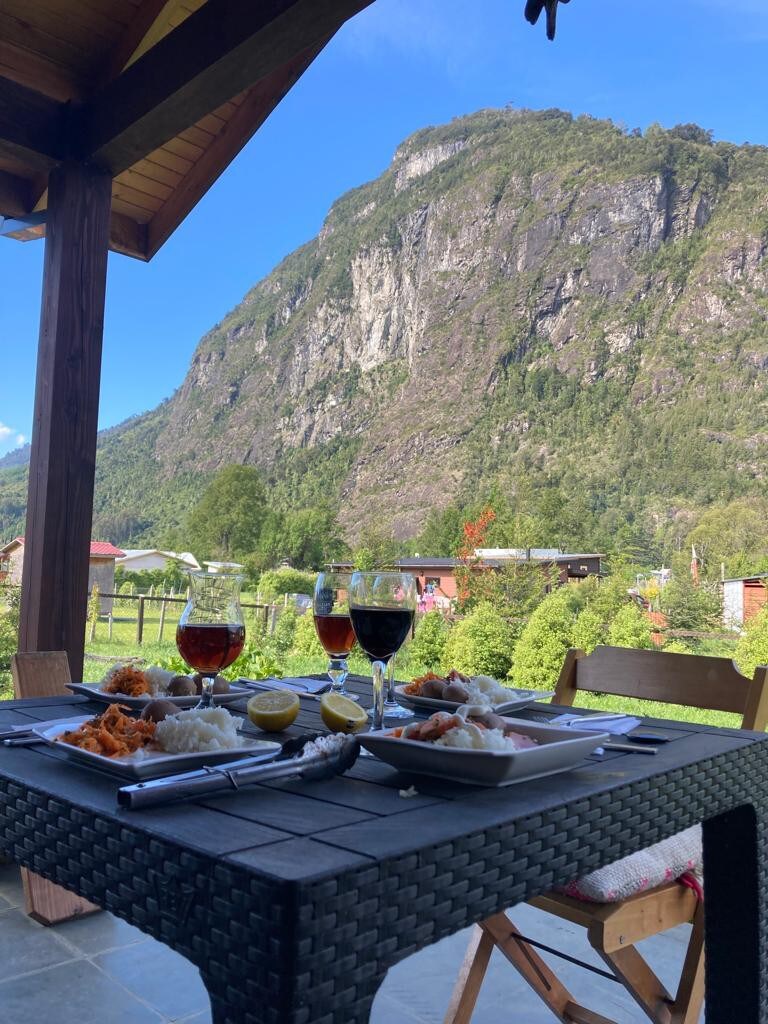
point(630, 628)
point(688, 606)
point(376, 549)
point(734, 535)
point(480, 644)
point(428, 644)
point(226, 521)
point(752, 648)
point(442, 533)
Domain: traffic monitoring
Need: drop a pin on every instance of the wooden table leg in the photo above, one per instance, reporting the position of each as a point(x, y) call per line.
point(736, 915)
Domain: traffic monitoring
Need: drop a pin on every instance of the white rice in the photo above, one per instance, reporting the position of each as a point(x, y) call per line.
point(471, 738)
point(158, 679)
point(487, 691)
point(205, 730)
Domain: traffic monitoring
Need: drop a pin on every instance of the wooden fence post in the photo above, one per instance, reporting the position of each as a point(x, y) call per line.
point(272, 618)
point(162, 620)
point(109, 622)
point(140, 620)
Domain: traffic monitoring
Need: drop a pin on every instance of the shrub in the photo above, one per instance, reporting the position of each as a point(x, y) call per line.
point(480, 644)
point(588, 631)
point(305, 641)
point(544, 641)
point(630, 628)
point(428, 644)
point(285, 630)
point(752, 648)
point(677, 647)
point(276, 582)
point(9, 633)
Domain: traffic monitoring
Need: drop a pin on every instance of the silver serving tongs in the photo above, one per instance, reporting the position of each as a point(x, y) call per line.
point(290, 763)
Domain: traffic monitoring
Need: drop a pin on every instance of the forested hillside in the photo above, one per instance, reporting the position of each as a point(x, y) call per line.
point(552, 311)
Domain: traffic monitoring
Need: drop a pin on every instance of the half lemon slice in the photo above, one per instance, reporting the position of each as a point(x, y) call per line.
point(273, 711)
point(341, 714)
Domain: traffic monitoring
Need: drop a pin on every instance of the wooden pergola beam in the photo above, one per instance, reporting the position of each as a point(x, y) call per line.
point(256, 107)
point(32, 126)
point(218, 52)
point(16, 195)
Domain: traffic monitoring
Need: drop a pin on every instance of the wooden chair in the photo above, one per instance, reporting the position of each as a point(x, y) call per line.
point(46, 674)
point(613, 929)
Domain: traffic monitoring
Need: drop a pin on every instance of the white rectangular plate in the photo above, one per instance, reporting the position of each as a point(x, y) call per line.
point(517, 699)
point(152, 763)
point(557, 750)
point(92, 692)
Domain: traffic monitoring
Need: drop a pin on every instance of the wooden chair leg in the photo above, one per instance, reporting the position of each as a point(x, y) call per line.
point(471, 975)
point(535, 971)
point(686, 1008)
point(48, 903)
point(641, 983)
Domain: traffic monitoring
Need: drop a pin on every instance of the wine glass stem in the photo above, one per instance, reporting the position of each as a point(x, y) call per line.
point(337, 673)
point(391, 681)
point(206, 696)
point(378, 670)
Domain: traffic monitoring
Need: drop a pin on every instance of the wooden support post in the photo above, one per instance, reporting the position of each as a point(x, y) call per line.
point(111, 619)
point(162, 621)
point(54, 596)
point(140, 620)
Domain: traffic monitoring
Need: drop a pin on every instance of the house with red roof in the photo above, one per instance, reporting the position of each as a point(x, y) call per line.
point(101, 567)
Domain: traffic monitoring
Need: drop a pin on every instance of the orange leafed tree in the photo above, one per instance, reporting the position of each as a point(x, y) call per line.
point(469, 576)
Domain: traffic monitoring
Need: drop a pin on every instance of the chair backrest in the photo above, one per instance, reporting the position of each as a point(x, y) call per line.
point(40, 674)
point(691, 680)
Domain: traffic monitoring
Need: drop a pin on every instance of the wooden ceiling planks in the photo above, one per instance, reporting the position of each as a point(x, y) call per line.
point(101, 54)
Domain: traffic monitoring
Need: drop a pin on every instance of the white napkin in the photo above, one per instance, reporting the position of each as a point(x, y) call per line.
point(617, 726)
point(296, 683)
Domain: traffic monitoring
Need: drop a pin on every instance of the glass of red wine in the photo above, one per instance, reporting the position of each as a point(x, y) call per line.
point(330, 606)
point(382, 606)
point(211, 634)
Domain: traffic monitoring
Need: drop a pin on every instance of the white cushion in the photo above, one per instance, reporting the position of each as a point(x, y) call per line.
point(665, 861)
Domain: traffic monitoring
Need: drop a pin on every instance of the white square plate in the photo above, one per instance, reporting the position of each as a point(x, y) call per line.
point(556, 751)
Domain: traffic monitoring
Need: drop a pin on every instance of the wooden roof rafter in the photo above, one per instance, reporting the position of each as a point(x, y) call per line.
point(166, 105)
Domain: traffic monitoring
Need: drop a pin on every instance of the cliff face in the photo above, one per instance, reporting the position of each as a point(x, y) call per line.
point(519, 295)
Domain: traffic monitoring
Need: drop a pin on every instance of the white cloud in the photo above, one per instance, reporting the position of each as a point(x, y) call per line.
point(10, 438)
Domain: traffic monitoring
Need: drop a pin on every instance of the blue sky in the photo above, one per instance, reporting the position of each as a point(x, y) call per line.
point(397, 67)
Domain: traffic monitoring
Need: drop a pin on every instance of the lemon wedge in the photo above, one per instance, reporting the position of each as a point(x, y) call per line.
point(273, 711)
point(341, 714)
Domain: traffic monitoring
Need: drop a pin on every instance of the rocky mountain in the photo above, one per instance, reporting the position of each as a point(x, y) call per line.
point(550, 306)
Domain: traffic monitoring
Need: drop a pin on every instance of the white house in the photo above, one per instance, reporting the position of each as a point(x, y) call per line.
point(136, 559)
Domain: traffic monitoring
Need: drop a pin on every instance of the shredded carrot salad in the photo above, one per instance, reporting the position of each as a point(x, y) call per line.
point(414, 688)
point(112, 734)
point(127, 680)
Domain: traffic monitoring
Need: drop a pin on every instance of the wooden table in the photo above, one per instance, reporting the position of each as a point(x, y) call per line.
point(295, 899)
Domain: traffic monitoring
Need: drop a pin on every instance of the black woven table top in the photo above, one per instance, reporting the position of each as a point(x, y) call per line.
point(295, 898)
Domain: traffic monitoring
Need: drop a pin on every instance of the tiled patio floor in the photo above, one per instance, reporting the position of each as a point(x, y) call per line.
point(99, 970)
